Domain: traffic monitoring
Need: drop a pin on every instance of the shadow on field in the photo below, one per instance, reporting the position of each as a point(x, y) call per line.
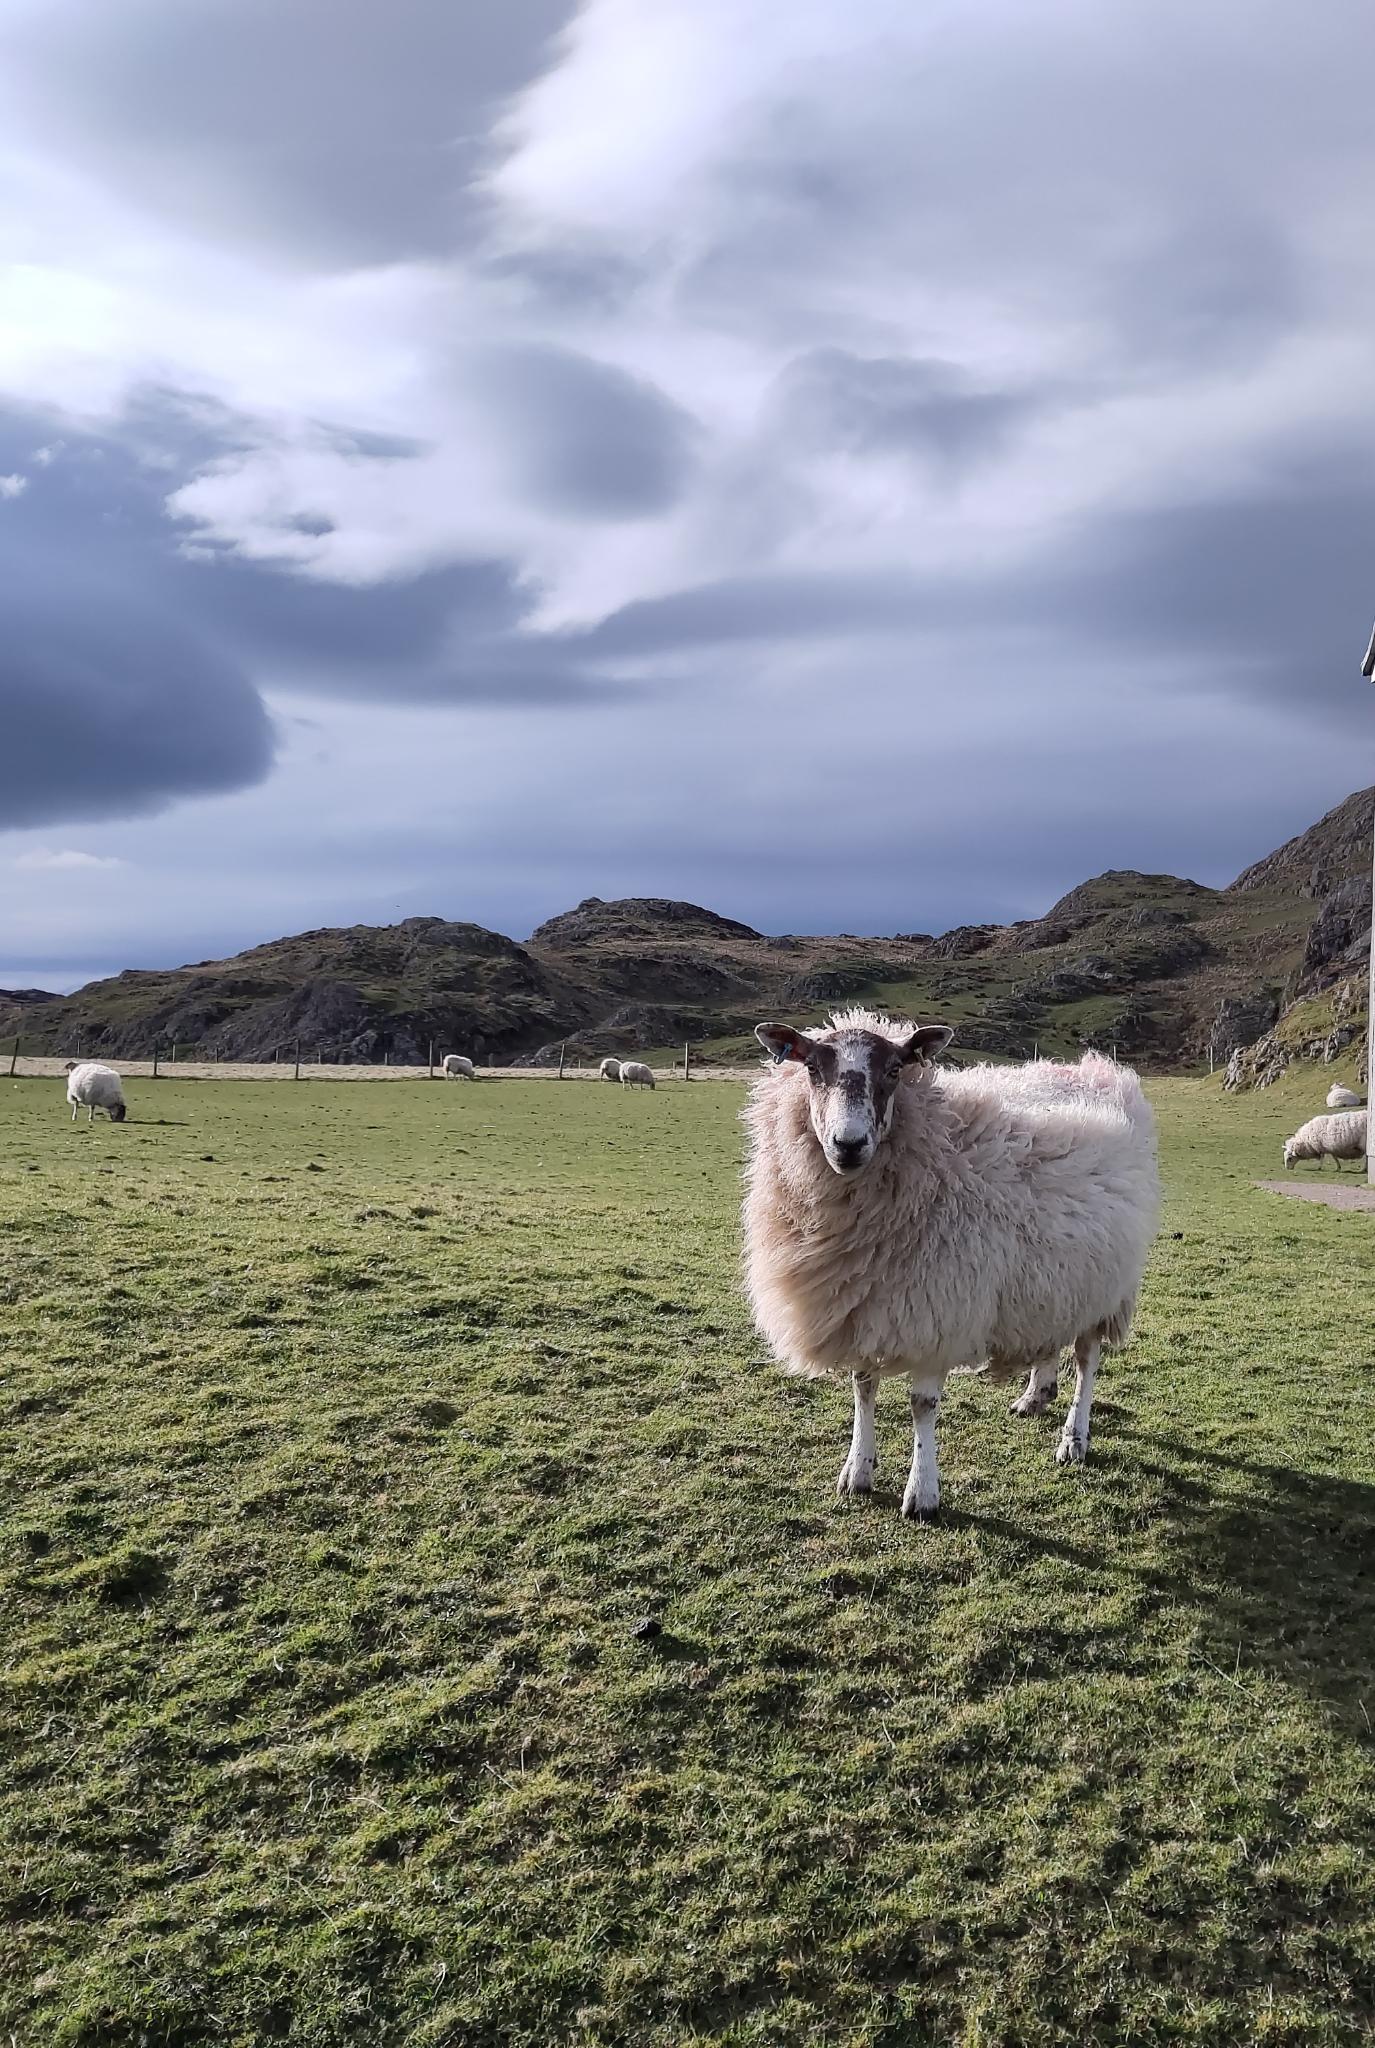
point(1292, 1556)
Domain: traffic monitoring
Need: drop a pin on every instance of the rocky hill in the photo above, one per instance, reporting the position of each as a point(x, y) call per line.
point(1326, 996)
point(1171, 972)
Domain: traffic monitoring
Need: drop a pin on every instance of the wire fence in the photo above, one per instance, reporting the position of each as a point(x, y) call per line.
point(296, 1062)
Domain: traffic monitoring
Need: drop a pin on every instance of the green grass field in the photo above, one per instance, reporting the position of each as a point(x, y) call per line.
point(350, 1435)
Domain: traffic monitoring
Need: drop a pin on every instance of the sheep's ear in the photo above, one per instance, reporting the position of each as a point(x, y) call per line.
point(927, 1042)
point(783, 1042)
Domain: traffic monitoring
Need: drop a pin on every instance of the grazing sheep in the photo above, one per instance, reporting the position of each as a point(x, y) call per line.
point(900, 1220)
point(1342, 1098)
point(610, 1070)
point(97, 1087)
point(1328, 1137)
point(635, 1074)
point(456, 1068)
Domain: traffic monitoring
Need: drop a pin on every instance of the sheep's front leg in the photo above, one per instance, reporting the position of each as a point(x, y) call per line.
point(1073, 1446)
point(857, 1473)
point(923, 1496)
point(1040, 1387)
point(90, 1114)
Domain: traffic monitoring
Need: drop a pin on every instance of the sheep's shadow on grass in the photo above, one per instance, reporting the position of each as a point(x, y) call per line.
point(1291, 1555)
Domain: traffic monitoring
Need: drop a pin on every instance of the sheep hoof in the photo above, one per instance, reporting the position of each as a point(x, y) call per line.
point(914, 1510)
point(1071, 1450)
point(1030, 1404)
point(854, 1479)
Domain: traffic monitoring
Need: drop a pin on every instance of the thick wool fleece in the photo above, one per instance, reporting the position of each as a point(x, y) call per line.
point(1009, 1211)
point(1328, 1137)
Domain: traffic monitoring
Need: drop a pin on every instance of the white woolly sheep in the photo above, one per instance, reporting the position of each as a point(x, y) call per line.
point(1328, 1137)
point(610, 1070)
point(96, 1087)
point(635, 1074)
point(901, 1220)
point(456, 1068)
point(1342, 1098)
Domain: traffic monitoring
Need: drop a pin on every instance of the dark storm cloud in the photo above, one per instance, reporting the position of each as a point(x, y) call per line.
point(345, 130)
point(586, 439)
point(111, 703)
point(129, 673)
point(108, 709)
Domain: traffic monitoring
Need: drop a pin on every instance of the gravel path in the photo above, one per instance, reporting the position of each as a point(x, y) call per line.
point(1333, 1194)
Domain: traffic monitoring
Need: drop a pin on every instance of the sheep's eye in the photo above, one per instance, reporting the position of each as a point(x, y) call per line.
point(894, 1071)
point(814, 1068)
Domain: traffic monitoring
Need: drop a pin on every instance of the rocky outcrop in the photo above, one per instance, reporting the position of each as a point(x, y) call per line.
point(1339, 941)
point(635, 917)
point(1316, 861)
point(964, 940)
point(1319, 1028)
point(1240, 1021)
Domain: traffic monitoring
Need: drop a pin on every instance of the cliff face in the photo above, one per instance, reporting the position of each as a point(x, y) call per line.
point(1324, 1014)
point(1317, 861)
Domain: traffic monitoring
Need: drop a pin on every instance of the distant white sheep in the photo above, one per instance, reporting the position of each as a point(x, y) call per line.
point(1342, 1098)
point(456, 1068)
point(610, 1070)
point(635, 1074)
point(1009, 1217)
point(96, 1087)
point(1328, 1137)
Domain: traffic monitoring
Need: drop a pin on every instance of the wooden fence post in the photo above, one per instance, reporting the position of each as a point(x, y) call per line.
point(155, 1063)
point(687, 1061)
point(297, 1075)
point(562, 1050)
point(15, 1054)
point(430, 1075)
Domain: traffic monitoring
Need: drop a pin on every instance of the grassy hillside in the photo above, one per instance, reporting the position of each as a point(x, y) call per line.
point(428, 1621)
point(1169, 971)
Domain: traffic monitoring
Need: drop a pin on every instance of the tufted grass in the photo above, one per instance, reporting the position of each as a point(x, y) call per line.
point(350, 1440)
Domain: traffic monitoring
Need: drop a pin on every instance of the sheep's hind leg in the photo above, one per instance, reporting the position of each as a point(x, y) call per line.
point(922, 1499)
point(857, 1473)
point(1073, 1446)
point(1040, 1387)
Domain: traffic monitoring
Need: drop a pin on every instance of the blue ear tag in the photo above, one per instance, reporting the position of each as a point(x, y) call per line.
point(779, 1056)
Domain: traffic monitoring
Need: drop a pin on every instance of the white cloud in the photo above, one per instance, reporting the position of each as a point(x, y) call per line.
point(13, 486)
point(47, 860)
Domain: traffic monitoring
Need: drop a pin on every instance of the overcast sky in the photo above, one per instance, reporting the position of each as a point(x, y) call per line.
point(858, 466)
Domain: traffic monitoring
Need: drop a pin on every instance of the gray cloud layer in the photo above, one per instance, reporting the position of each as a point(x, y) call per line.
point(600, 417)
point(345, 131)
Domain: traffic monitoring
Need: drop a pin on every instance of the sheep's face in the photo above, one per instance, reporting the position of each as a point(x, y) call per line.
point(1288, 1152)
point(117, 1112)
point(853, 1078)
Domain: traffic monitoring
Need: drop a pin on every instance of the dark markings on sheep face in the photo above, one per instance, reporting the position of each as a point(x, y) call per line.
point(853, 1077)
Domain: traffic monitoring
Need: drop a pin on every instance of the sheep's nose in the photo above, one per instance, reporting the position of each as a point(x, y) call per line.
point(848, 1151)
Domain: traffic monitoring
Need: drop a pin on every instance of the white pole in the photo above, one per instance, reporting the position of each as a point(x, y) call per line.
point(1368, 670)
